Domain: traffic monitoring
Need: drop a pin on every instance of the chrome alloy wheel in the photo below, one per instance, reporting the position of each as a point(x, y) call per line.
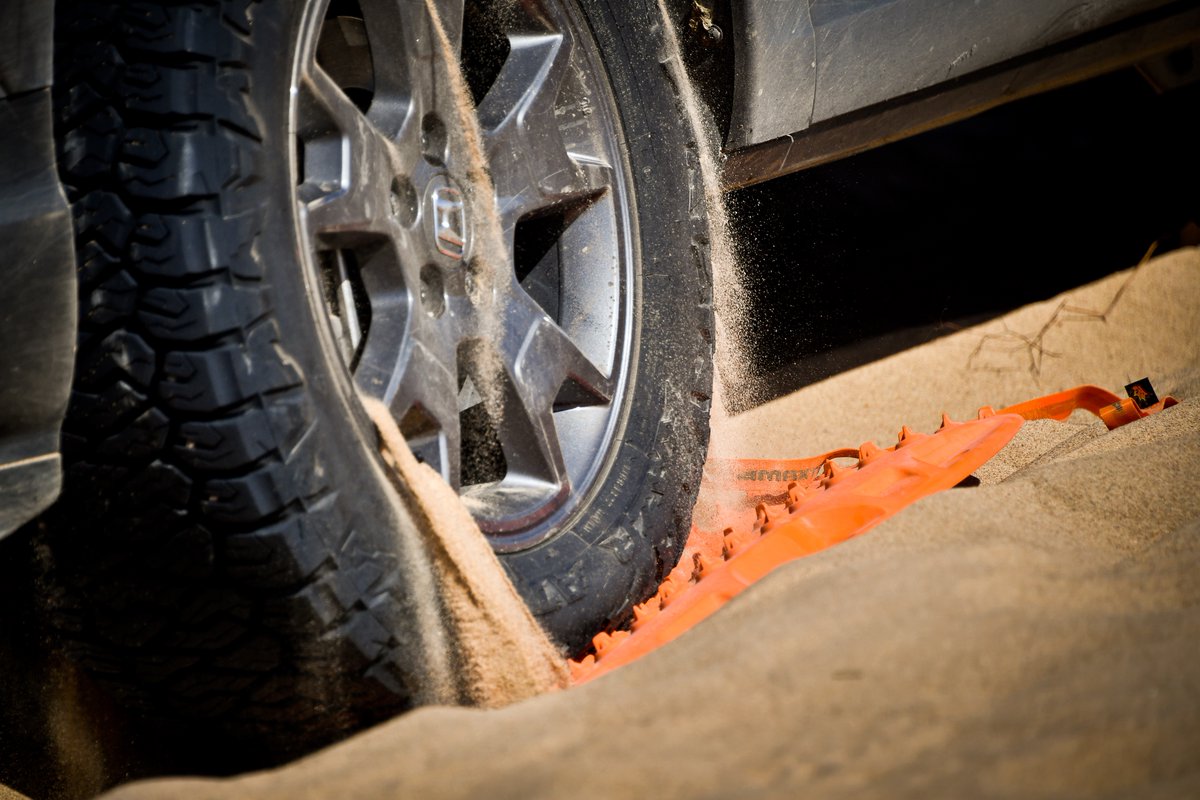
point(504, 362)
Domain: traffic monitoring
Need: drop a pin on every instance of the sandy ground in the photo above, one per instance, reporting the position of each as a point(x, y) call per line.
point(1152, 329)
point(1032, 636)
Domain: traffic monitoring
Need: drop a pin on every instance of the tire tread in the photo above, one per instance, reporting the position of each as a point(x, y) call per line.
point(182, 550)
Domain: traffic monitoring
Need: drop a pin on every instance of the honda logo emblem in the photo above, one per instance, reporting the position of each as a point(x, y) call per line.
point(448, 212)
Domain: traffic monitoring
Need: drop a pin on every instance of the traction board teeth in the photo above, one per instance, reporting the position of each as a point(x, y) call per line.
point(762, 521)
point(646, 611)
point(868, 452)
point(707, 564)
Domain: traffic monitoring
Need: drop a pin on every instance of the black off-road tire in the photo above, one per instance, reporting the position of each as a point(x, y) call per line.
point(227, 549)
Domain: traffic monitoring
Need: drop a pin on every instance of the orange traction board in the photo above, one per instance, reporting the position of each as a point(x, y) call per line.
point(822, 504)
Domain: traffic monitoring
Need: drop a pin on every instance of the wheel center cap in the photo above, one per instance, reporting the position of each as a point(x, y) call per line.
point(446, 210)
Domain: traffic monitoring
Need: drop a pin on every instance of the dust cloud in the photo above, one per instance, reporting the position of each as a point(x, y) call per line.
point(487, 261)
point(732, 381)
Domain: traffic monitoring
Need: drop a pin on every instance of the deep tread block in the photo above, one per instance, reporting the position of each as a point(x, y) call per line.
point(143, 437)
point(212, 380)
point(122, 355)
point(104, 216)
point(200, 312)
point(321, 600)
point(226, 443)
point(89, 150)
point(187, 246)
point(250, 498)
point(173, 164)
point(100, 411)
point(190, 91)
point(254, 559)
point(267, 490)
point(112, 300)
point(157, 483)
point(93, 261)
point(192, 32)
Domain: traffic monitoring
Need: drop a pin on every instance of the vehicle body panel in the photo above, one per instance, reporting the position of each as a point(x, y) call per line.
point(801, 62)
point(37, 301)
point(874, 71)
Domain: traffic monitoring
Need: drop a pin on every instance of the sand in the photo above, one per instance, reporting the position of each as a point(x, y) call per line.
point(1032, 636)
point(1152, 330)
point(487, 263)
point(499, 652)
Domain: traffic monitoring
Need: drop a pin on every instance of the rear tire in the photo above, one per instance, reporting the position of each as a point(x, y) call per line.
point(227, 550)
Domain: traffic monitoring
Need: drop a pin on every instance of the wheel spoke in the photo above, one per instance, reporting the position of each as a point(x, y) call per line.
point(426, 404)
point(595, 175)
point(529, 162)
point(540, 359)
point(343, 158)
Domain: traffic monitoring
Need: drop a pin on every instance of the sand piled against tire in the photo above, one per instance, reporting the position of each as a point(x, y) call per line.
point(1034, 636)
point(499, 652)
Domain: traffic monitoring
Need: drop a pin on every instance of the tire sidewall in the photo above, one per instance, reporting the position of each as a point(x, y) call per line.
point(630, 531)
